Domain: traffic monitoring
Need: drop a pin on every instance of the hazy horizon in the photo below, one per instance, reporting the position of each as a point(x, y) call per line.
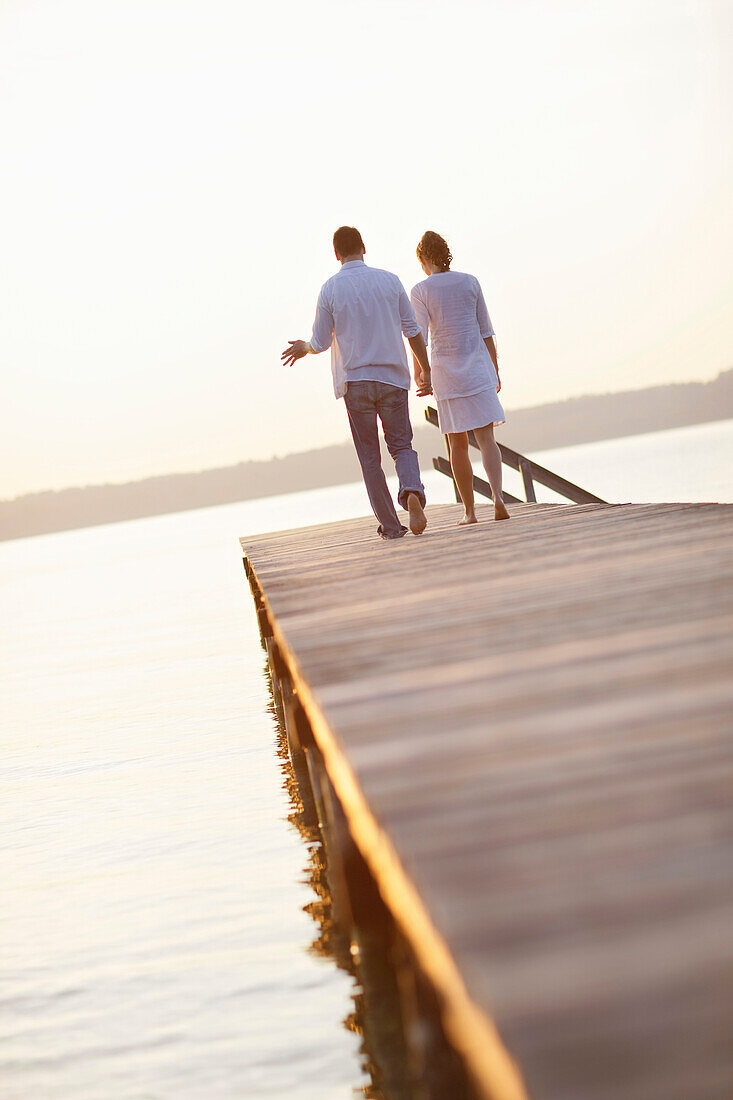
point(173, 171)
point(581, 418)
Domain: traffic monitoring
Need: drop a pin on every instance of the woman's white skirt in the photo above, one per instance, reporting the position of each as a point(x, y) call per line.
point(462, 414)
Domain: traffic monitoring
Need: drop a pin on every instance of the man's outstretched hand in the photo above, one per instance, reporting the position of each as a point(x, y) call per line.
point(295, 350)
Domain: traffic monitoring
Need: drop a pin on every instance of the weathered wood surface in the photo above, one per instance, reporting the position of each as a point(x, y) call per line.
point(539, 716)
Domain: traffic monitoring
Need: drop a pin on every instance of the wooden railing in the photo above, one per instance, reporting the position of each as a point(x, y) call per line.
point(530, 471)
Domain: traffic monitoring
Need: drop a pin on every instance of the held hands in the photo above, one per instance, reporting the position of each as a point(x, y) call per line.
point(295, 350)
point(424, 383)
point(498, 388)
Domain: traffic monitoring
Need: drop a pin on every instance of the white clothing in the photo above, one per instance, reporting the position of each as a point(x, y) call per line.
point(463, 414)
point(451, 311)
point(361, 315)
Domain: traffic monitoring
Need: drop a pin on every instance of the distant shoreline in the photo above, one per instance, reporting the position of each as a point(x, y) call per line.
point(541, 428)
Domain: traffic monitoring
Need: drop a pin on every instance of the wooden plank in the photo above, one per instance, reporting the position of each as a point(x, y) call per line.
point(530, 726)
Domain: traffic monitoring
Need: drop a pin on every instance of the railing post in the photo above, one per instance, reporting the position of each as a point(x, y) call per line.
point(526, 471)
point(455, 487)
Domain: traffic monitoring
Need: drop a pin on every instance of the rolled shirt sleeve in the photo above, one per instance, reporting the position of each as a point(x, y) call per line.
point(322, 335)
point(482, 314)
point(421, 313)
point(409, 324)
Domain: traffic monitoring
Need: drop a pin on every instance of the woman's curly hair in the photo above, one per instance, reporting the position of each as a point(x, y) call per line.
point(434, 248)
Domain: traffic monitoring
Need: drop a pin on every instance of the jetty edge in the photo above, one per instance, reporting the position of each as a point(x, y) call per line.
point(470, 1030)
point(525, 725)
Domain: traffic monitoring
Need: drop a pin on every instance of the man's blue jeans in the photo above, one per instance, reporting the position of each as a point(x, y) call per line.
point(365, 401)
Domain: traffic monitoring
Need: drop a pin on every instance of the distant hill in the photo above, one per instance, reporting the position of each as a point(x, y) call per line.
point(562, 424)
point(613, 415)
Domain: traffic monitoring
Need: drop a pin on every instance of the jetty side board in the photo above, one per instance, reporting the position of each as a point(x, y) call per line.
point(529, 726)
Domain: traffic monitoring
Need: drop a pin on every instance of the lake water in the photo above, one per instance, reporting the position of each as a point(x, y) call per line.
point(154, 897)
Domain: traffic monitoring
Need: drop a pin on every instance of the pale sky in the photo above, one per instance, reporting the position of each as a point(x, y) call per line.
point(172, 171)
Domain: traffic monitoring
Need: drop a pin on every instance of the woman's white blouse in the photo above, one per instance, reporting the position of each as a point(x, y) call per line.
point(452, 313)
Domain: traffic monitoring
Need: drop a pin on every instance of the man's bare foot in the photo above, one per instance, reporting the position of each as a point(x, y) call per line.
point(469, 517)
point(418, 521)
point(500, 510)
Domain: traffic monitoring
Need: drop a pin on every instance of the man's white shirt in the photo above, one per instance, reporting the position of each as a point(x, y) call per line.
point(362, 314)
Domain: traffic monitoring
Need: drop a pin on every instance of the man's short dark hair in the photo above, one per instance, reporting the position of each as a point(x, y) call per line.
point(347, 241)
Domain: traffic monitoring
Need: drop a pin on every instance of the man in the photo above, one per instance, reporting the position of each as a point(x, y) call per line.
point(361, 315)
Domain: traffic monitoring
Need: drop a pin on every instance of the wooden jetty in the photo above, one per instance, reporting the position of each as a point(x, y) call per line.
point(529, 726)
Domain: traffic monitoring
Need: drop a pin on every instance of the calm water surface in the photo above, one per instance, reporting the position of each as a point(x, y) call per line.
point(153, 895)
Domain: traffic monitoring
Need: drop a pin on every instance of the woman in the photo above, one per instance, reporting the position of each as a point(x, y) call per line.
point(464, 367)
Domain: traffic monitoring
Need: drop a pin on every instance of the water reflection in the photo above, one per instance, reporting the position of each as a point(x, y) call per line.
point(403, 1050)
point(349, 948)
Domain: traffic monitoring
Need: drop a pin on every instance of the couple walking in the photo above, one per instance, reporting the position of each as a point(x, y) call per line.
point(362, 314)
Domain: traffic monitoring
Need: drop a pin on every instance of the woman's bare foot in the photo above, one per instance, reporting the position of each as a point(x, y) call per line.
point(418, 520)
point(469, 517)
point(500, 510)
